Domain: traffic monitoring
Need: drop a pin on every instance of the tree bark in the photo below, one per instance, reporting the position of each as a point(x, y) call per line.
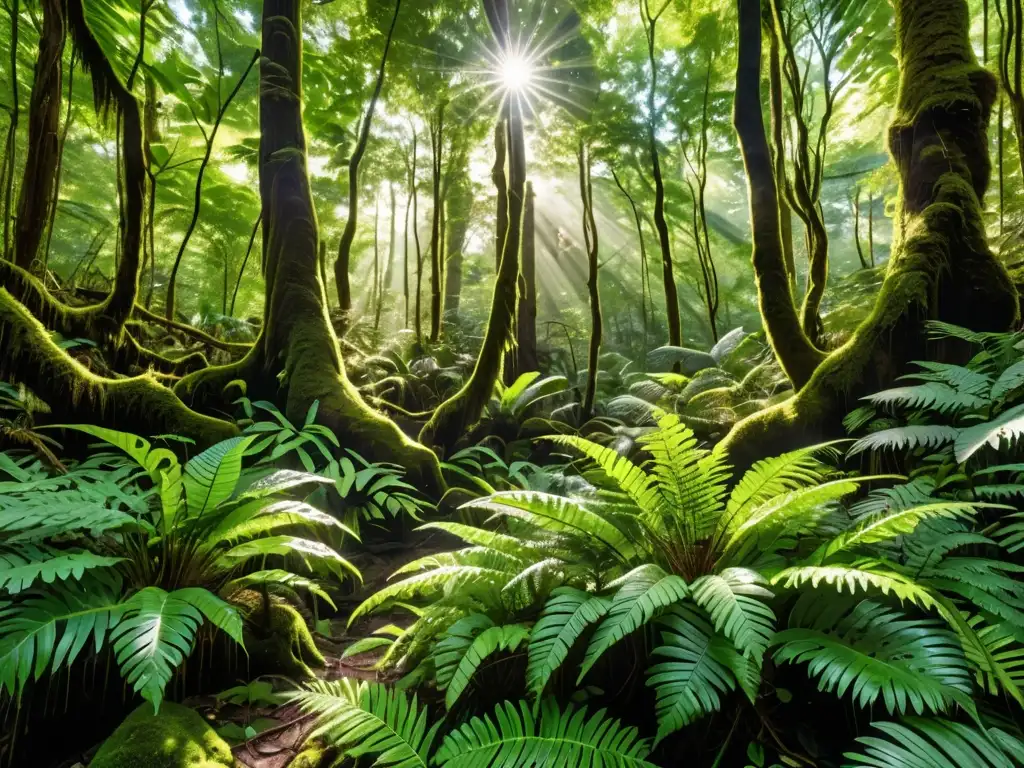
point(501, 189)
point(436, 239)
point(590, 242)
point(460, 206)
point(348, 235)
point(453, 418)
point(43, 153)
point(943, 268)
point(795, 353)
point(297, 352)
point(526, 321)
point(778, 122)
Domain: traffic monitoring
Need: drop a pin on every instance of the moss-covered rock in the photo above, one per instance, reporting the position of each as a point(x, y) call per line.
point(177, 737)
point(276, 637)
point(316, 757)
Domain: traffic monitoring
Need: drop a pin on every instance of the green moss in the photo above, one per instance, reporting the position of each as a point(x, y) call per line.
point(719, 397)
point(276, 637)
point(177, 737)
point(316, 757)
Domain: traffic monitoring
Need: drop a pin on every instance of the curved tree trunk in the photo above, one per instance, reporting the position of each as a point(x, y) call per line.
point(348, 235)
point(943, 268)
point(298, 350)
point(778, 121)
point(797, 356)
point(453, 417)
point(526, 320)
point(436, 235)
point(501, 189)
point(37, 188)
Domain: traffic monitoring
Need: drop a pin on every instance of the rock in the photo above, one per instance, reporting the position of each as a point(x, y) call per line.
point(277, 638)
point(177, 737)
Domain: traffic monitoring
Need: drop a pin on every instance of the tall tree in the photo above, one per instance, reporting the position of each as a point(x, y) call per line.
point(348, 235)
point(298, 352)
point(37, 198)
point(650, 20)
point(526, 320)
point(591, 245)
point(943, 268)
point(437, 139)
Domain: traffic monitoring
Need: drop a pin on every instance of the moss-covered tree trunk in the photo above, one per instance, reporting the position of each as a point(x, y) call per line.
point(526, 320)
point(500, 180)
point(453, 417)
point(778, 122)
point(942, 267)
point(43, 153)
point(793, 349)
point(297, 356)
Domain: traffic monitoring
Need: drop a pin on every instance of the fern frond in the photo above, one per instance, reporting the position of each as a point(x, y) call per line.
point(465, 646)
point(772, 477)
point(1009, 380)
point(960, 377)
point(564, 619)
point(627, 476)
point(731, 600)
point(515, 739)
point(875, 652)
point(367, 719)
point(918, 742)
point(906, 438)
point(642, 594)
point(1008, 426)
point(21, 567)
point(931, 396)
point(282, 577)
point(867, 576)
point(690, 678)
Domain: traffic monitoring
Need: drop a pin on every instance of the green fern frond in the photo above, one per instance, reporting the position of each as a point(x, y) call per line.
point(1010, 380)
point(282, 577)
point(211, 476)
point(1008, 426)
point(883, 526)
point(867, 576)
point(515, 739)
point(960, 377)
point(466, 645)
point(918, 742)
point(931, 396)
point(642, 594)
point(21, 567)
point(906, 438)
point(772, 477)
point(731, 600)
point(876, 653)
point(367, 719)
point(690, 678)
point(566, 616)
point(627, 476)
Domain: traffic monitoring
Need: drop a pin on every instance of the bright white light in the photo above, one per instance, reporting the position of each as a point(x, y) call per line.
point(516, 72)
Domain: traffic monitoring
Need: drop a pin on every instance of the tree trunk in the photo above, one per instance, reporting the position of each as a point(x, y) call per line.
point(436, 240)
point(348, 235)
point(501, 189)
point(795, 353)
point(453, 418)
point(590, 242)
point(43, 153)
point(778, 121)
point(460, 206)
point(298, 352)
point(943, 268)
point(405, 231)
point(526, 322)
point(856, 229)
point(385, 285)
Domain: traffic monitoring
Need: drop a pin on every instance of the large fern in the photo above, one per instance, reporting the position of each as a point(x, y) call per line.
point(918, 742)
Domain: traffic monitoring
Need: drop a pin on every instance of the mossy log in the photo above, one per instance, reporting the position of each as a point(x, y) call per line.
point(942, 267)
point(140, 404)
point(177, 737)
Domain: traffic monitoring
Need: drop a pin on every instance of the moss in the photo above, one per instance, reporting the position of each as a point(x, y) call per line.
point(276, 637)
point(175, 738)
point(140, 404)
point(316, 757)
point(718, 397)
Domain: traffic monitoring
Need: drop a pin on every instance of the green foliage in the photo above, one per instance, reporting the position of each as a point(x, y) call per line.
point(130, 550)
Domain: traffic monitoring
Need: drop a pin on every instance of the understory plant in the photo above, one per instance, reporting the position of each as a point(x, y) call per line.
point(901, 602)
point(135, 551)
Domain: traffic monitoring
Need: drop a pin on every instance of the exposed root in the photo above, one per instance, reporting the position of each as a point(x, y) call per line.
point(140, 405)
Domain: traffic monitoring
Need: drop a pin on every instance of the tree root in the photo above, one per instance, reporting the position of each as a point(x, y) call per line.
point(140, 405)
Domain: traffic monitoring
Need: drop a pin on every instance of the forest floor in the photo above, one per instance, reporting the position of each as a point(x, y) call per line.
point(278, 745)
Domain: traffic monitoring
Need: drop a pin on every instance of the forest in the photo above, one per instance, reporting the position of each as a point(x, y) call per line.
point(512, 383)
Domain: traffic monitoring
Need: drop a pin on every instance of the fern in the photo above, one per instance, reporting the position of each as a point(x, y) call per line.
point(875, 652)
point(366, 719)
point(210, 477)
point(468, 642)
point(866, 576)
point(279, 577)
point(566, 616)
point(690, 678)
point(643, 594)
point(515, 739)
point(1008, 426)
point(731, 600)
point(21, 567)
point(918, 742)
point(906, 438)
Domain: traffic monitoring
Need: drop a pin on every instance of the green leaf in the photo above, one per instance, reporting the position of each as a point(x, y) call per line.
point(211, 476)
point(565, 618)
